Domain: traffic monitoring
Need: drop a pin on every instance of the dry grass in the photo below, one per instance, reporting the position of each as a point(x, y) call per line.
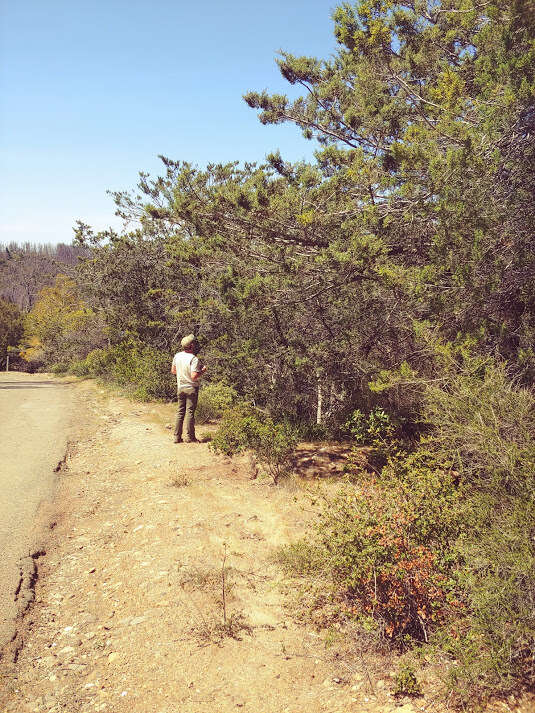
point(213, 629)
point(180, 480)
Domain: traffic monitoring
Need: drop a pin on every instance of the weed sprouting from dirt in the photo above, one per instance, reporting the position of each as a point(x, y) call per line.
point(180, 480)
point(214, 630)
point(217, 583)
point(223, 588)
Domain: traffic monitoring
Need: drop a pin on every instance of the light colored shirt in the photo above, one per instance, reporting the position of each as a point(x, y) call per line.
point(185, 364)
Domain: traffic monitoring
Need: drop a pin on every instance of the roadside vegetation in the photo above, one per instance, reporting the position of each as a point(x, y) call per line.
point(383, 294)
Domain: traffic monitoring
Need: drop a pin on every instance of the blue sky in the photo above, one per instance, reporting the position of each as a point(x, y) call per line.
point(92, 92)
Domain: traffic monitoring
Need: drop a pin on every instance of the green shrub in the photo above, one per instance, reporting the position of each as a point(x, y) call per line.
point(493, 646)
point(99, 362)
point(371, 429)
point(151, 374)
point(230, 438)
point(301, 558)
point(124, 363)
point(375, 429)
point(389, 545)
point(481, 423)
point(245, 427)
point(485, 422)
point(439, 544)
point(79, 368)
point(406, 682)
point(214, 400)
point(315, 431)
point(59, 369)
point(142, 371)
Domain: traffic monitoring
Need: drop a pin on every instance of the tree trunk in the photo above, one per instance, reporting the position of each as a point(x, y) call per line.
point(320, 404)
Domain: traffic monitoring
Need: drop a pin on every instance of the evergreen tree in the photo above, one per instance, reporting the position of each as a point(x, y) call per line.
point(427, 114)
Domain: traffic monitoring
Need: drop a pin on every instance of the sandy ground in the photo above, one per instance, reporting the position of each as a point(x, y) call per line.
point(159, 592)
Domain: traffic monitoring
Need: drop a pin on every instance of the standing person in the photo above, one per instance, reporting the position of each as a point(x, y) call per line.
point(188, 370)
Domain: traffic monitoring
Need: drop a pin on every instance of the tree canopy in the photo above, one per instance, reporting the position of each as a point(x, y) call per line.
point(418, 210)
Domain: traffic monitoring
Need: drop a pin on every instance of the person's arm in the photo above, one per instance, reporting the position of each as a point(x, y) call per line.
point(196, 375)
point(173, 367)
point(197, 369)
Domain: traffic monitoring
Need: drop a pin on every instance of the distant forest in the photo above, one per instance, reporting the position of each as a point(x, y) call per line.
point(25, 268)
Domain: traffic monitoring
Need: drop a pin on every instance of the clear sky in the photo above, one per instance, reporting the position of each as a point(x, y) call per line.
point(92, 92)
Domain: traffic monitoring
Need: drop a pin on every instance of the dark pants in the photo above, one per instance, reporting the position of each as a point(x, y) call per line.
point(187, 403)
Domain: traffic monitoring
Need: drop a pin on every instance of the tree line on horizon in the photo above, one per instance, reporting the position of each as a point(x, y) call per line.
point(25, 269)
point(384, 292)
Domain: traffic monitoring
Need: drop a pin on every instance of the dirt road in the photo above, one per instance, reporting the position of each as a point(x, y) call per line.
point(35, 413)
point(160, 592)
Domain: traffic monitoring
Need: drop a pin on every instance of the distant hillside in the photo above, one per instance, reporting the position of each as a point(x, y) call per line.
point(28, 267)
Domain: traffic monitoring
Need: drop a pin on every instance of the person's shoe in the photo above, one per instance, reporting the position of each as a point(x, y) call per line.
point(192, 440)
point(177, 440)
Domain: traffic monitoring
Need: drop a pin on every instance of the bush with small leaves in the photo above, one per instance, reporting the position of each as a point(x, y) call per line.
point(406, 682)
point(139, 369)
point(376, 429)
point(245, 427)
point(214, 399)
point(389, 545)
